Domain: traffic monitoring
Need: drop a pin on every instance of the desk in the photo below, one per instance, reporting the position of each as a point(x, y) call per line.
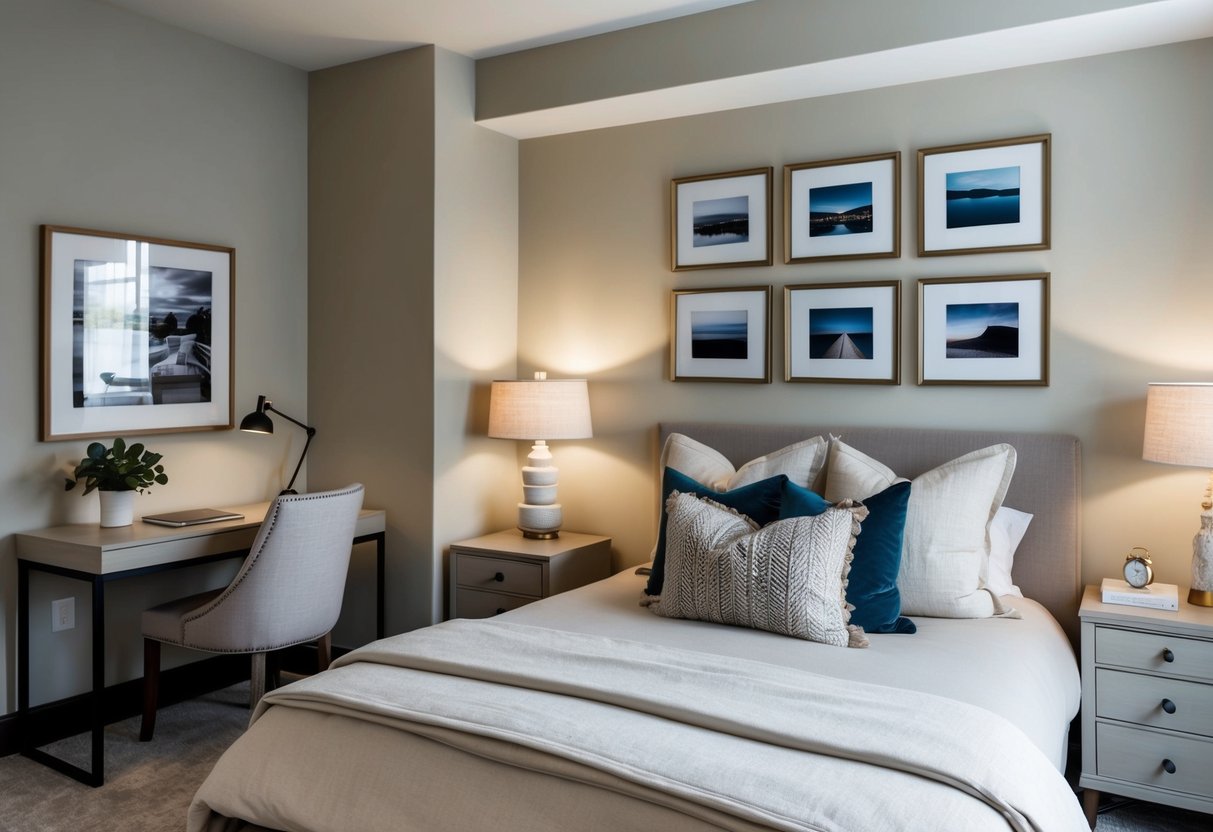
point(87, 552)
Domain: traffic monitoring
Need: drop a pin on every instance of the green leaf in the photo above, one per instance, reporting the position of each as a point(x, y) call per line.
point(119, 446)
point(162, 479)
point(136, 450)
point(69, 485)
point(131, 483)
point(95, 450)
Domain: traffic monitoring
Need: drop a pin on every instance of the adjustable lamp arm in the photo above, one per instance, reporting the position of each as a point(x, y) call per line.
point(311, 431)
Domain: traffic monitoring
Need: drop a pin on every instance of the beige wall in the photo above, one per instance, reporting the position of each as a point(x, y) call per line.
point(1130, 263)
point(114, 122)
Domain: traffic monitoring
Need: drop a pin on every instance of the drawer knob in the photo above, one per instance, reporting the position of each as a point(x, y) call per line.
point(1168, 706)
point(500, 610)
point(1168, 766)
point(499, 577)
point(1167, 655)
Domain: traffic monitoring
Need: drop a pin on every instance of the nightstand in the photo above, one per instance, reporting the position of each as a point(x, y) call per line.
point(1147, 703)
point(503, 571)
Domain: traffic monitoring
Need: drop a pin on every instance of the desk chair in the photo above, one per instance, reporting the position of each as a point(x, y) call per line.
point(287, 592)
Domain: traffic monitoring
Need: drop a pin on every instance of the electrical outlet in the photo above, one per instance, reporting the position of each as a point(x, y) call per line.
point(63, 614)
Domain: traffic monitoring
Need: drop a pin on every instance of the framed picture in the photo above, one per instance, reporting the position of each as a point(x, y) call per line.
point(842, 209)
point(984, 197)
point(721, 334)
point(721, 219)
point(136, 334)
point(843, 332)
point(984, 330)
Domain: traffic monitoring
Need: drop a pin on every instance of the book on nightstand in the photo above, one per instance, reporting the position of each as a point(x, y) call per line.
point(1154, 596)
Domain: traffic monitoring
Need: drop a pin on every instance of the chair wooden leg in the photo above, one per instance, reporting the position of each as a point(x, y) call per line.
point(256, 680)
point(324, 651)
point(151, 688)
point(273, 671)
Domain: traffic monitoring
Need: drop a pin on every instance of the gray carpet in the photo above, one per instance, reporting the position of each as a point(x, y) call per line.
point(149, 785)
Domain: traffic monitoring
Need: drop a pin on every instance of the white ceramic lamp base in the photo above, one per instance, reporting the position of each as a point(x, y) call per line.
point(1201, 592)
point(540, 516)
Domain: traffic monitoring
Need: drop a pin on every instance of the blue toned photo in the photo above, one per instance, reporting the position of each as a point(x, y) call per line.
point(983, 197)
point(840, 209)
point(722, 334)
point(840, 333)
point(982, 330)
point(717, 222)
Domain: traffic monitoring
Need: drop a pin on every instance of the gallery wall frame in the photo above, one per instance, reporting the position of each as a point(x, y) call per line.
point(991, 330)
point(721, 334)
point(843, 333)
point(721, 220)
point(984, 197)
point(137, 334)
point(842, 209)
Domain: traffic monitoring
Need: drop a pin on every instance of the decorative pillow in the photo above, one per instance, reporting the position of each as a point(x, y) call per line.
point(800, 461)
point(759, 501)
point(789, 577)
point(872, 583)
point(1006, 532)
point(945, 559)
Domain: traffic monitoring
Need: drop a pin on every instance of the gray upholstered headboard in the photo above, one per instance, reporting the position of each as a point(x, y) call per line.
point(1046, 484)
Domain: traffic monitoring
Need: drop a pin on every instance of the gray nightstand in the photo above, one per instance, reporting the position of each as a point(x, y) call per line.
point(503, 571)
point(1147, 703)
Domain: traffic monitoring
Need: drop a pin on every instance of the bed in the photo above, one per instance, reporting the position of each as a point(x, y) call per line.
point(586, 712)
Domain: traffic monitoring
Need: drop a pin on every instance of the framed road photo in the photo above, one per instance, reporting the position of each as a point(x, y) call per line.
point(136, 334)
point(984, 330)
point(842, 209)
point(984, 197)
point(721, 219)
point(843, 332)
point(721, 334)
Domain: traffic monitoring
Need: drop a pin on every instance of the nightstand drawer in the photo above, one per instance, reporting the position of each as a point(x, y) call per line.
point(499, 575)
point(1137, 756)
point(1150, 651)
point(472, 603)
point(1133, 697)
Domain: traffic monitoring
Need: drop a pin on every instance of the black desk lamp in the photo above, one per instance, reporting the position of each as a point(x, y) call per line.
point(259, 422)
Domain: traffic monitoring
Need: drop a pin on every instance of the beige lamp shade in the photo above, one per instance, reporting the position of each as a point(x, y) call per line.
point(1179, 424)
point(540, 409)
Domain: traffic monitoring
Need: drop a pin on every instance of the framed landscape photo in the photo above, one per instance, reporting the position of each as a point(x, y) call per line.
point(984, 197)
point(721, 219)
point(843, 332)
point(721, 334)
point(842, 209)
point(136, 334)
point(984, 330)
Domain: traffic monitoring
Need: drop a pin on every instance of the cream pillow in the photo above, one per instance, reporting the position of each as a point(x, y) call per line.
point(1006, 533)
point(800, 461)
point(945, 560)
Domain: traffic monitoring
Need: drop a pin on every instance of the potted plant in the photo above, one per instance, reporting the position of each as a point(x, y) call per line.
point(118, 472)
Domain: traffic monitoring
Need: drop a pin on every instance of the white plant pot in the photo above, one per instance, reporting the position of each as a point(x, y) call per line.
point(117, 508)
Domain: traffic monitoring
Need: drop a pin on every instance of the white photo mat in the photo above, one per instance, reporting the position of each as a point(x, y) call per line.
point(755, 186)
point(883, 298)
point(882, 241)
point(752, 304)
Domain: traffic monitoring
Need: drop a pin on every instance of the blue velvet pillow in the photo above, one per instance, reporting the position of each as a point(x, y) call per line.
point(759, 501)
point(876, 559)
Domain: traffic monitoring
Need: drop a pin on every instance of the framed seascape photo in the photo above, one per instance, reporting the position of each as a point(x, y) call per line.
point(721, 219)
point(842, 209)
point(843, 332)
point(721, 334)
point(984, 330)
point(136, 334)
point(984, 197)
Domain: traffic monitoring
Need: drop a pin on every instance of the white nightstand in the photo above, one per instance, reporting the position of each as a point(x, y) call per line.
point(1147, 703)
point(503, 571)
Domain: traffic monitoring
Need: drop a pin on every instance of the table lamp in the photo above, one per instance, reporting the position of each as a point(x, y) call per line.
point(538, 410)
point(1179, 431)
point(259, 422)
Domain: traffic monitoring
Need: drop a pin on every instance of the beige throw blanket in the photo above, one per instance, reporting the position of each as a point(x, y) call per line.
point(766, 746)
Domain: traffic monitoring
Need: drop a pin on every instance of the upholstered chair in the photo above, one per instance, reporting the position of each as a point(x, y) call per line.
point(287, 592)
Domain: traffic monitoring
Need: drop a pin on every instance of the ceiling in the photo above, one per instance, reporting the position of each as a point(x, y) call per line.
point(314, 34)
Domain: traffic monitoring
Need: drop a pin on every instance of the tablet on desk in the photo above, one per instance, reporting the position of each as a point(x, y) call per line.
point(191, 517)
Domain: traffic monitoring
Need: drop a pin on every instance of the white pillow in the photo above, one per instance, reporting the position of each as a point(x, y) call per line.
point(800, 461)
point(1006, 532)
point(945, 559)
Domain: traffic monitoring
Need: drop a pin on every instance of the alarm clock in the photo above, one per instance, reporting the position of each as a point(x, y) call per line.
point(1138, 568)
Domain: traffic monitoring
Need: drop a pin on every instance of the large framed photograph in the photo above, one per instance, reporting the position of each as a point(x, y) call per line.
point(721, 334)
point(984, 197)
point(721, 219)
point(136, 334)
point(984, 330)
point(842, 209)
point(843, 332)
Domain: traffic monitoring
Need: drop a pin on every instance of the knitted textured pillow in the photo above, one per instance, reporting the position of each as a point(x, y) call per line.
point(788, 577)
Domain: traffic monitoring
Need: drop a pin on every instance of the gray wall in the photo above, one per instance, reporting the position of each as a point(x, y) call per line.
point(114, 122)
point(1130, 264)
